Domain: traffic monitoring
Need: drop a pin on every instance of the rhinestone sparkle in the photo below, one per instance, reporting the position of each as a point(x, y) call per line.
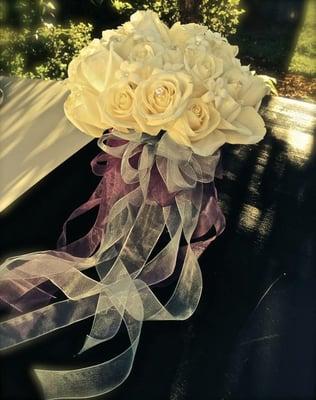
point(160, 91)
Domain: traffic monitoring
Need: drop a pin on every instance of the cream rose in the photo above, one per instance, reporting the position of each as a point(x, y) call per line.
point(145, 51)
point(203, 67)
point(160, 99)
point(146, 24)
point(181, 34)
point(116, 106)
point(220, 48)
point(196, 128)
point(82, 110)
point(89, 75)
point(247, 128)
point(246, 88)
point(93, 47)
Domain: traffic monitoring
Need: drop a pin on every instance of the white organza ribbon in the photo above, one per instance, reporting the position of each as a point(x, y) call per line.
point(124, 262)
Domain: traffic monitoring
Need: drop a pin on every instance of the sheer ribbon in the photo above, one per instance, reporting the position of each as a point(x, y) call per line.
point(148, 189)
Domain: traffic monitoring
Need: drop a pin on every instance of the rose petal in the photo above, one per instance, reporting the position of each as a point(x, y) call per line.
point(250, 128)
point(209, 144)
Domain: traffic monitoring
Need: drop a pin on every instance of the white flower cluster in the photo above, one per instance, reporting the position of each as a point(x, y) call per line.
point(185, 80)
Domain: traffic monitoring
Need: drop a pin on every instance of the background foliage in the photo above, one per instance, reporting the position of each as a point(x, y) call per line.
point(219, 15)
point(26, 13)
point(38, 38)
point(44, 53)
point(304, 55)
point(36, 42)
point(33, 45)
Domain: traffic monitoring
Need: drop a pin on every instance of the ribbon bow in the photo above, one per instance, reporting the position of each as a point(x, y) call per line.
point(148, 189)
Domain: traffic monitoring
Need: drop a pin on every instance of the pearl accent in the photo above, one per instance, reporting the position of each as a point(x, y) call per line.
point(160, 91)
point(198, 40)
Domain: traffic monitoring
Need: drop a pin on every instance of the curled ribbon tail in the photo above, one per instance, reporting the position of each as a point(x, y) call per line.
point(147, 193)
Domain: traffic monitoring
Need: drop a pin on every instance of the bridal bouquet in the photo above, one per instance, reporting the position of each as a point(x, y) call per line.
point(184, 82)
point(162, 102)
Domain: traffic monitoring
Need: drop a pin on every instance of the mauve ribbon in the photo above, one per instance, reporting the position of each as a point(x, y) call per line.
point(135, 208)
point(110, 189)
point(211, 215)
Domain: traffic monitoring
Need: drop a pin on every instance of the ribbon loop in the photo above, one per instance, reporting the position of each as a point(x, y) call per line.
point(147, 189)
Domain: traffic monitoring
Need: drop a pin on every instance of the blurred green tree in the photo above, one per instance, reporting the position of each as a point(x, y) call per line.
point(33, 45)
point(219, 15)
point(44, 53)
point(26, 13)
point(36, 39)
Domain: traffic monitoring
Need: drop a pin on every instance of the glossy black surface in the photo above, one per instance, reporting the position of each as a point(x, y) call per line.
point(253, 335)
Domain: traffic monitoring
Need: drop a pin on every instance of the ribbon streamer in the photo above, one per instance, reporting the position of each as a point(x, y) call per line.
point(148, 189)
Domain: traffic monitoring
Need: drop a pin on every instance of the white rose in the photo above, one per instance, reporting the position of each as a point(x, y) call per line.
point(219, 47)
point(181, 34)
point(112, 36)
point(145, 51)
point(147, 25)
point(247, 128)
point(123, 46)
point(116, 105)
point(224, 103)
point(240, 124)
point(95, 70)
point(203, 67)
point(148, 56)
point(133, 47)
point(160, 99)
point(82, 110)
point(89, 74)
point(93, 47)
point(197, 128)
point(173, 59)
point(246, 88)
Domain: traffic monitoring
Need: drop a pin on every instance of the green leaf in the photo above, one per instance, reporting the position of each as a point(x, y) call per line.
point(271, 82)
point(51, 5)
